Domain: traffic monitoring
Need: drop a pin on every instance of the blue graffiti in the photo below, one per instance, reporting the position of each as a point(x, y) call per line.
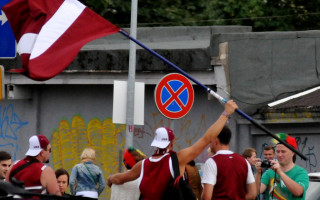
point(312, 159)
point(10, 123)
point(304, 144)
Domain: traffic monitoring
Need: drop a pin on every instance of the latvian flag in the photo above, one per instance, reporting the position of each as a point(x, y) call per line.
point(50, 33)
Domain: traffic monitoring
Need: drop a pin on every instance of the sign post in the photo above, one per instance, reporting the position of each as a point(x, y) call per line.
point(174, 96)
point(7, 39)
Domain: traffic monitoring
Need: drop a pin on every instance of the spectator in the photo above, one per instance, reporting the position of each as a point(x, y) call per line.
point(86, 178)
point(5, 163)
point(128, 190)
point(194, 178)
point(227, 175)
point(131, 156)
point(63, 180)
point(284, 179)
point(251, 155)
point(268, 153)
point(155, 174)
point(31, 169)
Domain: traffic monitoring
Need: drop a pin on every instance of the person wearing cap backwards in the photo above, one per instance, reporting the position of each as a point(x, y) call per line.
point(31, 169)
point(156, 172)
point(284, 179)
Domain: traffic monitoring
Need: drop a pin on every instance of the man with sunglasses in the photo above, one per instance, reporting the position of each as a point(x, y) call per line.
point(31, 169)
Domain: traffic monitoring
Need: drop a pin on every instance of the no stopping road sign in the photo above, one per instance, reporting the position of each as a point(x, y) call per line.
point(174, 96)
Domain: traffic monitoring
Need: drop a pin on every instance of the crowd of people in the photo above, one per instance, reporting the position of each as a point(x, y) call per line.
point(86, 179)
point(226, 174)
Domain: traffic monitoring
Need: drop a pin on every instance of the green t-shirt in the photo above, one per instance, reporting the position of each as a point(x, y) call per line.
point(279, 190)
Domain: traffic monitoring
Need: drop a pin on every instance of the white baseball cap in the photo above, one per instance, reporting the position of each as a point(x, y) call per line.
point(163, 137)
point(36, 144)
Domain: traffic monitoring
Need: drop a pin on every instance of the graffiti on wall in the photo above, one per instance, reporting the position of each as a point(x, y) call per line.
point(289, 117)
point(108, 139)
point(70, 138)
point(309, 151)
point(10, 123)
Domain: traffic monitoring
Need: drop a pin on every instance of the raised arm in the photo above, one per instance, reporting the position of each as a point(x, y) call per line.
point(190, 153)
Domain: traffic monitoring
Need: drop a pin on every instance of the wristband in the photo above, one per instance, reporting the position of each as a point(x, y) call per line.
point(226, 114)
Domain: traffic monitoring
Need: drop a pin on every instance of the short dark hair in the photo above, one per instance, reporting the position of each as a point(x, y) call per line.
point(225, 135)
point(60, 172)
point(269, 147)
point(4, 156)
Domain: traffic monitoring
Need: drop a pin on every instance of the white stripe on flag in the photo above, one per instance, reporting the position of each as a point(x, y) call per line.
point(67, 13)
point(26, 42)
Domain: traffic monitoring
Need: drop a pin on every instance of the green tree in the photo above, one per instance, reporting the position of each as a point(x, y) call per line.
point(262, 15)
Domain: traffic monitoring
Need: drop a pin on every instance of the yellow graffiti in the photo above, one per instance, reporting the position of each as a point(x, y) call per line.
point(71, 138)
point(288, 117)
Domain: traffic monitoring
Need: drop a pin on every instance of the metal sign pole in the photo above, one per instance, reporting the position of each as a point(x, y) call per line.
point(131, 76)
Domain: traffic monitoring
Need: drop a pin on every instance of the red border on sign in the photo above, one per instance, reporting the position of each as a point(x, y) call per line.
point(162, 107)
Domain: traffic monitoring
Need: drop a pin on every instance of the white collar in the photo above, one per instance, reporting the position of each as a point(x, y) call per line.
point(157, 159)
point(223, 152)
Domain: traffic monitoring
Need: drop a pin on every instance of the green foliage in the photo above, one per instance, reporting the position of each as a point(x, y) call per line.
point(262, 15)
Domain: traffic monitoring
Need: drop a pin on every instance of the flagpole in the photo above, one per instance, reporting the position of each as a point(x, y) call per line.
point(131, 76)
point(217, 96)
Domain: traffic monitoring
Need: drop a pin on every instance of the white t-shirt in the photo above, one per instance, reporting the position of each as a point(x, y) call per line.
point(126, 191)
point(210, 170)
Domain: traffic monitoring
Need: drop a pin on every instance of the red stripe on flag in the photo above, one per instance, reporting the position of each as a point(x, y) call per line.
point(34, 14)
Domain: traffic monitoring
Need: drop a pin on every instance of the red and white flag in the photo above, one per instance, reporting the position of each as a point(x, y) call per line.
point(50, 33)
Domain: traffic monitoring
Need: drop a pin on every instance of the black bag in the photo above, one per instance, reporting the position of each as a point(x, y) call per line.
point(178, 189)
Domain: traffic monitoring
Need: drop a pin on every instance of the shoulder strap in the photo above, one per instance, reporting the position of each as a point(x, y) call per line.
point(175, 165)
point(18, 169)
point(94, 180)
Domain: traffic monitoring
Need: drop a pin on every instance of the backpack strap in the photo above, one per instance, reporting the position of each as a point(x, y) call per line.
point(94, 180)
point(18, 169)
point(175, 165)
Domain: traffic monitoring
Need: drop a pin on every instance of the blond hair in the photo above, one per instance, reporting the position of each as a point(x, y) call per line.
point(88, 153)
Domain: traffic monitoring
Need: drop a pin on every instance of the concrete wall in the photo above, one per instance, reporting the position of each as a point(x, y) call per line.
point(53, 109)
point(267, 66)
point(77, 116)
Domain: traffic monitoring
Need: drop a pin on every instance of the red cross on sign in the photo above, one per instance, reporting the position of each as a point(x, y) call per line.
point(174, 96)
